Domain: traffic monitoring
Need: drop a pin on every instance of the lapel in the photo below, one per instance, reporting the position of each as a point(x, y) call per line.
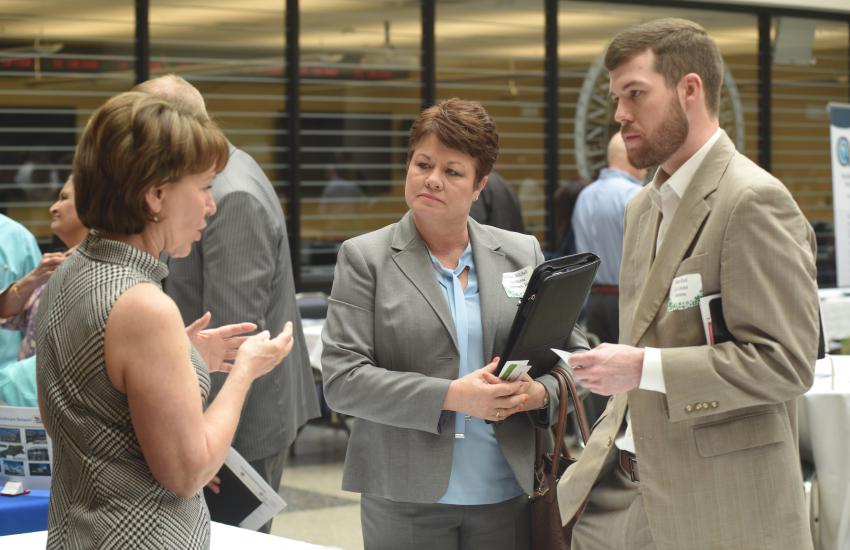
point(489, 266)
point(644, 253)
point(411, 257)
point(692, 211)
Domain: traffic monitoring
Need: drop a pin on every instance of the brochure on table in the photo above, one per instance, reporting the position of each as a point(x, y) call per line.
point(245, 499)
point(26, 455)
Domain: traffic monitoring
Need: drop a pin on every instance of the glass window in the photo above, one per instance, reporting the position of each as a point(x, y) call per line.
point(494, 53)
point(57, 65)
point(810, 69)
point(360, 90)
point(233, 53)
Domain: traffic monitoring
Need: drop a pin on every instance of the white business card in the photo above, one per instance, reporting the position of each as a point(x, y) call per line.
point(514, 370)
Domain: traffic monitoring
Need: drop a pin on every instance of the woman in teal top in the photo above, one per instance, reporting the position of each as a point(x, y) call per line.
point(19, 304)
point(19, 254)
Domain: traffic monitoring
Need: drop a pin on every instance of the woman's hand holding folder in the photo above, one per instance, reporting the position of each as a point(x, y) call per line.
point(481, 394)
point(536, 392)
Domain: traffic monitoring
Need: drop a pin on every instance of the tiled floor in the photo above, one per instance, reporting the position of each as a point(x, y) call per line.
point(318, 510)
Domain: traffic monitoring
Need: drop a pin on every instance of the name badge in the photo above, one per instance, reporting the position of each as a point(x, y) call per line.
point(685, 292)
point(514, 283)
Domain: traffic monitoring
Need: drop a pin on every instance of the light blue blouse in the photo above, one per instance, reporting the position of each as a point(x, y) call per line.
point(480, 474)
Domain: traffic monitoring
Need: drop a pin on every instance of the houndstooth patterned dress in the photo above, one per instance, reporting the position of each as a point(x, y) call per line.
point(103, 493)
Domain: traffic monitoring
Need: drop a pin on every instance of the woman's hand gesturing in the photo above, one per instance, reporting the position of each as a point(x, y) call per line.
point(259, 353)
point(218, 346)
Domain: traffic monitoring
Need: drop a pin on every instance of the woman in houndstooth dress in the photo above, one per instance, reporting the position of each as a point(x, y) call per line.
point(122, 384)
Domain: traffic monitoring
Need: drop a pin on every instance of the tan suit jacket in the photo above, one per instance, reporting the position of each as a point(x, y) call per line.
point(718, 455)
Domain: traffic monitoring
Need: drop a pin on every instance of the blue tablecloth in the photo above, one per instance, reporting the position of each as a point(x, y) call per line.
point(24, 513)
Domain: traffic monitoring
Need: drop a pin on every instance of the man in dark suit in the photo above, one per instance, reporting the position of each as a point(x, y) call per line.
point(241, 271)
point(498, 205)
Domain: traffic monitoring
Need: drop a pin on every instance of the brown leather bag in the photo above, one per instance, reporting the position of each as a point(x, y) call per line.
point(547, 533)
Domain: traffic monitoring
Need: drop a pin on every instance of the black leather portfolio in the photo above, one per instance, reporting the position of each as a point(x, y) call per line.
point(556, 292)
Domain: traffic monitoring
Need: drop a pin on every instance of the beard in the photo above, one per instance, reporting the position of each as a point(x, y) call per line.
point(663, 141)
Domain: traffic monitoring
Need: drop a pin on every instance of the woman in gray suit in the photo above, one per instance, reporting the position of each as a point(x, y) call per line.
point(416, 309)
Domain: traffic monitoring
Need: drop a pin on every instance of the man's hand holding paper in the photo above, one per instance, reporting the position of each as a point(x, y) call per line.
point(608, 368)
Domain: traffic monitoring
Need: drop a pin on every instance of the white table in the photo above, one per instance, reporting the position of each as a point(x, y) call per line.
point(825, 439)
point(222, 537)
point(313, 335)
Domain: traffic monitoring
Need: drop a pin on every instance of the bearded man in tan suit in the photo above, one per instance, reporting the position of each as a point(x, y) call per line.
point(697, 449)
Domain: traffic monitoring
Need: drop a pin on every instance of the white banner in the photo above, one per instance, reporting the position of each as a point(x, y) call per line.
point(839, 137)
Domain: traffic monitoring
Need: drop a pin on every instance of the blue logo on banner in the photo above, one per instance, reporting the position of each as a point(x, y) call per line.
point(843, 151)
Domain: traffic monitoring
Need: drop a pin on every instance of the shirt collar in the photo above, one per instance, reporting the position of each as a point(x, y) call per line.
point(677, 183)
point(464, 262)
point(116, 252)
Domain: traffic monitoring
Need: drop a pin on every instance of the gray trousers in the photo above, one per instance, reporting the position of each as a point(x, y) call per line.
point(615, 518)
point(389, 525)
point(271, 470)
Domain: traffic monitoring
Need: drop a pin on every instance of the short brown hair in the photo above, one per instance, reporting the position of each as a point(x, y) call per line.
point(132, 142)
point(680, 47)
point(461, 125)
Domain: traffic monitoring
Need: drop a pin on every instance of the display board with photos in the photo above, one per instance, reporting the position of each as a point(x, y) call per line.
point(26, 454)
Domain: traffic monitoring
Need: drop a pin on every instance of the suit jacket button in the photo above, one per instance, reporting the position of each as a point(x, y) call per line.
point(610, 441)
point(705, 406)
point(698, 407)
point(689, 408)
point(714, 404)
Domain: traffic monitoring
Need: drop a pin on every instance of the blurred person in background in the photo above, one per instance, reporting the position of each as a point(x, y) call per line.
point(19, 255)
point(19, 303)
point(564, 204)
point(598, 227)
point(498, 205)
point(241, 270)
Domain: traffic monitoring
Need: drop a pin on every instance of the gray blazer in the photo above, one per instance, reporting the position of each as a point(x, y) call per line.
point(390, 353)
point(241, 271)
